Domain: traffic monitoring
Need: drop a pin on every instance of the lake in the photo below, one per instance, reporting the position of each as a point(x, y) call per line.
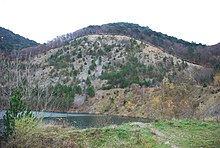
point(81, 121)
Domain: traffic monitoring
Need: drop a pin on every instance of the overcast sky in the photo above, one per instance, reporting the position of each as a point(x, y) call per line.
point(43, 20)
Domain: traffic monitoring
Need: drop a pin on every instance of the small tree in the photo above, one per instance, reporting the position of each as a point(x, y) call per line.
point(90, 91)
point(17, 109)
point(88, 81)
point(100, 60)
point(78, 89)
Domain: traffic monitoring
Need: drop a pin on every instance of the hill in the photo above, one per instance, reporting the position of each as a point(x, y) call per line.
point(10, 41)
point(103, 72)
point(114, 74)
point(195, 53)
point(192, 52)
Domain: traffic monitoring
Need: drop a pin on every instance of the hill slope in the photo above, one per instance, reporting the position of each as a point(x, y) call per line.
point(120, 75)
point(10, 41)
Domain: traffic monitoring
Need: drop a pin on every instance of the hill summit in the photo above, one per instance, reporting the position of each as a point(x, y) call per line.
point(192, 52)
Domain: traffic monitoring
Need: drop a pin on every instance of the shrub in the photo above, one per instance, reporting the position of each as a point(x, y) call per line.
point(92, 66)
point(217, 79)
point(78, 90)
point(88, 81)
point(79, 55)
point(24, 132)
point(90, 91)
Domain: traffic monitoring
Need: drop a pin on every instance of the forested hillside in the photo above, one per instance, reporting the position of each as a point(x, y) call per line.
point(10, 41)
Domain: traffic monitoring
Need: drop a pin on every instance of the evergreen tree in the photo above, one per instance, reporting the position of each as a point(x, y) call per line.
point(90, 91)
point(17, 109)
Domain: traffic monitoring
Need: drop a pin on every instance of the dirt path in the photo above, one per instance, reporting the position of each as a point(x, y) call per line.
point(160, 136)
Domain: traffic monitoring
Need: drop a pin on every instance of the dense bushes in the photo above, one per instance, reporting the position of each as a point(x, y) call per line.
point(59, 61)
point(63, 96)
point(126, 75)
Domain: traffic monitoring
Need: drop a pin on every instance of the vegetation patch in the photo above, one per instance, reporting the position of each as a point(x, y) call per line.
point(191, 133)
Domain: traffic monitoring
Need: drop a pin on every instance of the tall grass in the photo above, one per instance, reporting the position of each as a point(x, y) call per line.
point(25, 132)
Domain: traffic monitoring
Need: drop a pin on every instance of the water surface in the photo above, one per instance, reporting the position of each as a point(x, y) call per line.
point(81, 121)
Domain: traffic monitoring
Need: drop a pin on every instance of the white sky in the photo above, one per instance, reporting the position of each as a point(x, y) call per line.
point(43, 20)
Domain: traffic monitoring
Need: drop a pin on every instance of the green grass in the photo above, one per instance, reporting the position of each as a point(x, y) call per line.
point(182, 133)
point(122, 136)
point(56, 136)
point(191, 133)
